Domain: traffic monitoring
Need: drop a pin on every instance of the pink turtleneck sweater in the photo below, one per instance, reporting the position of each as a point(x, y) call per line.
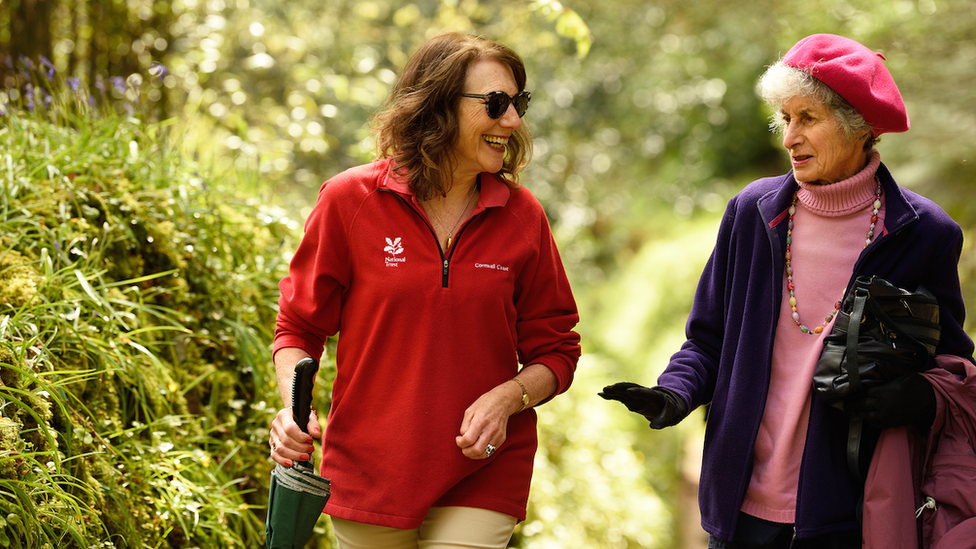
point(830, 227)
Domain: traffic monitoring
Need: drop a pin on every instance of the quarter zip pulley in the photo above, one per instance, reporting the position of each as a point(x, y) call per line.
point(445, 260)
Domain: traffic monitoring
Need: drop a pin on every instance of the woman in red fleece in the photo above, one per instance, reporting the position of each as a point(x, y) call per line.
point(442, 276)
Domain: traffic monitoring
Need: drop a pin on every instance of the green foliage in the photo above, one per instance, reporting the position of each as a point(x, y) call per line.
point(646, 122)
point(590, 489)
point(136, 302)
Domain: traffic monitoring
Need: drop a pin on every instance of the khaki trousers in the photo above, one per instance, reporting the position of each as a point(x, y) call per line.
point(443, 528)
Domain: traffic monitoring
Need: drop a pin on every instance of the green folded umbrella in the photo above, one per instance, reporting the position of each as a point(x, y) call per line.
point(296, 500)
point(297, 495)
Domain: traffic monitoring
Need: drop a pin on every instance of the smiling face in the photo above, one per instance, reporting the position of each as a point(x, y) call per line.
point(482, 139)
point(820, 150)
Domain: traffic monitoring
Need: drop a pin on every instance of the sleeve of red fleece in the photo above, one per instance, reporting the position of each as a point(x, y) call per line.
point(547, 311)
point(311, 294)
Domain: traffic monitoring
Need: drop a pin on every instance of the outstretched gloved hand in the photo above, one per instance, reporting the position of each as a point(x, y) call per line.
point(662, 407)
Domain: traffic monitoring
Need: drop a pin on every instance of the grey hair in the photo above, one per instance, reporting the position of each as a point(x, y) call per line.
point(781, 82)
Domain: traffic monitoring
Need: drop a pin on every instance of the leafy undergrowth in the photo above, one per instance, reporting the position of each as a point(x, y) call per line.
point(137, 299)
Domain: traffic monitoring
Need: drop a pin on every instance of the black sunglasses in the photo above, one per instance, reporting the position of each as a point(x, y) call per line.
point(496, 103)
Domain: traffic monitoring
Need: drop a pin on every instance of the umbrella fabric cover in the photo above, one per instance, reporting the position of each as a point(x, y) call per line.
point(296, 500)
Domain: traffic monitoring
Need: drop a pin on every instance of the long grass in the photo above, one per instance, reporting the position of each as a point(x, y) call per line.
point(137, 298)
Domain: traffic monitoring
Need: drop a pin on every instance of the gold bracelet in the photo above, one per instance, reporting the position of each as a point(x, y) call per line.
point(525, 394)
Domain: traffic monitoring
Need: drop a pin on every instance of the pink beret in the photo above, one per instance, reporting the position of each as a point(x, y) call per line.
point(857, 74)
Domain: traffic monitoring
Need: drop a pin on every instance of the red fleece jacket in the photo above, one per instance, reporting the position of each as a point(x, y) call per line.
point(423, 335)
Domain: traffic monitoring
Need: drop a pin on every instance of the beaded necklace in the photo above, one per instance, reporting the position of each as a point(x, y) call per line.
point(789, 256)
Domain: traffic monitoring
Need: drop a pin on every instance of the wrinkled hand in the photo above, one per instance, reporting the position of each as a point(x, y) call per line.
point(288, 442)
point(660, 406)
point(905, 401)
point(486, 421)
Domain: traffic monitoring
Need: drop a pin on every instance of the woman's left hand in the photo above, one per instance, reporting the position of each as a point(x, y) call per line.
point(289, 443)
point(485, 424)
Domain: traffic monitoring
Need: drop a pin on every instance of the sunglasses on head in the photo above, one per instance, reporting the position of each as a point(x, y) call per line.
point(496, 102)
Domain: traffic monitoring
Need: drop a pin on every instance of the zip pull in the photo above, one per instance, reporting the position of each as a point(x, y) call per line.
point(446, 265)
point(929, 504)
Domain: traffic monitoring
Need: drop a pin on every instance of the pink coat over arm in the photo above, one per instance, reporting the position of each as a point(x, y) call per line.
point(907, 471)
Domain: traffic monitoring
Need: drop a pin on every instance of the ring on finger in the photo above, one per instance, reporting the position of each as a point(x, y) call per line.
point(274, 445)
point(490, 449)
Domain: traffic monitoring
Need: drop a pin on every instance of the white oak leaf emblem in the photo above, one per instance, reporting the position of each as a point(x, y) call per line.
point(393, 246)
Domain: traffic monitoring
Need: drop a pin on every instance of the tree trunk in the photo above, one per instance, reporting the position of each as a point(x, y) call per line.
point(30, 28)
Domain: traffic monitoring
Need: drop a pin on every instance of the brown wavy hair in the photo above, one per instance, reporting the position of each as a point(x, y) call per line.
point(418, 127)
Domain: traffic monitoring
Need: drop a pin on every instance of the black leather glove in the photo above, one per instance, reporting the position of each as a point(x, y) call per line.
point(907, 400)
point(662, 407)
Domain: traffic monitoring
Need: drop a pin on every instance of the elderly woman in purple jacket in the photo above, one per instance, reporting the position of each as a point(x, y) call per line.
point(774, 472)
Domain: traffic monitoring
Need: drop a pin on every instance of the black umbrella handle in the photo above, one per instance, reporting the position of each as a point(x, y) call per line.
point(301, 391)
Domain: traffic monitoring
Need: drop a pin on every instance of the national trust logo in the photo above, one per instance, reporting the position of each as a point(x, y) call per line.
point(393, 248)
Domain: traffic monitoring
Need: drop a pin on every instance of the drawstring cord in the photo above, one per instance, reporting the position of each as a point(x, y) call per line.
point(929, 504)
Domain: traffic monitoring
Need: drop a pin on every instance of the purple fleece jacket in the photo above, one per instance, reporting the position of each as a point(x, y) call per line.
point(726, 358)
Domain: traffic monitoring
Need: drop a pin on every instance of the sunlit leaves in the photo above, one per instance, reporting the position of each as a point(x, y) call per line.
point(122, 394)
point(569, 24)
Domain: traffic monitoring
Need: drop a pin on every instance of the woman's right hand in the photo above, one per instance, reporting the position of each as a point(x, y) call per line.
point(288, 442)
point(660, 406)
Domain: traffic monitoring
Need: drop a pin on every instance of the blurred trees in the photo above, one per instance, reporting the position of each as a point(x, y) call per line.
point(93, 40)
point(646, 122)
point(636, 102)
